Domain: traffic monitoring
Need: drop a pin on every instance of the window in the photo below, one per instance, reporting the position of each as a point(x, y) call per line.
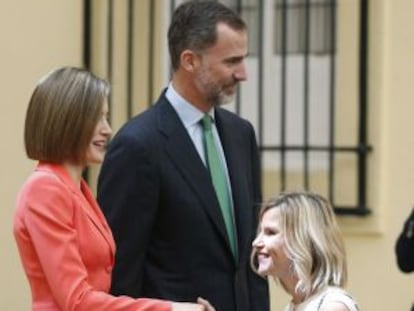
point(306, 92)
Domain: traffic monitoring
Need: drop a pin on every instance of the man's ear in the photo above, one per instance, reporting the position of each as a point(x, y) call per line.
point(189, 60)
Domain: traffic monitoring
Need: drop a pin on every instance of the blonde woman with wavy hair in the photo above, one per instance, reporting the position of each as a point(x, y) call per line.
point(299, 244)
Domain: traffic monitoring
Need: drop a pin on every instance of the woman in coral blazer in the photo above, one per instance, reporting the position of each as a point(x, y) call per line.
point(66, 247)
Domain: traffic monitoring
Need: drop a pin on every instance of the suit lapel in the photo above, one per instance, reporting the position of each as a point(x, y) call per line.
point(184, 155)
point(230, 139)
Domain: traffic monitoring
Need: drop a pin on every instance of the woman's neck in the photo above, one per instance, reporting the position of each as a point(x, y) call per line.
point(289, 285)
point(75, 172)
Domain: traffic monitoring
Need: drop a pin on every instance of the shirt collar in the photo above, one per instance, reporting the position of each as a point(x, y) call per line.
point(188, 114)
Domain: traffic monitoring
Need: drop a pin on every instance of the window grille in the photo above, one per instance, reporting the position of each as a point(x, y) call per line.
point(291, 96)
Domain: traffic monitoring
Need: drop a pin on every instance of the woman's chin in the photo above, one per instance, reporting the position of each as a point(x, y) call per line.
point(264, 272)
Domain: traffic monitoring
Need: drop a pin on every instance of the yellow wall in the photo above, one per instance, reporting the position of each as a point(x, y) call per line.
point(35, 37)
point(374, 278)
point(38, 35)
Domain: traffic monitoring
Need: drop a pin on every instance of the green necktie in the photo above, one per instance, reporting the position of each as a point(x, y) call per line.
point(219, 180)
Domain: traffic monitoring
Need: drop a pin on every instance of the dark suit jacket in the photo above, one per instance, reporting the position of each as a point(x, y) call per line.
point(160, 203)
point(404, 247)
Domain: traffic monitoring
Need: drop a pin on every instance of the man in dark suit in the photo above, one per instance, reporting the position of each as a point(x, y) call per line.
point(404, 248)
point(176, 237)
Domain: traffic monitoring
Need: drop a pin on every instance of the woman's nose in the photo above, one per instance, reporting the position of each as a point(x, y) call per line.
point(257, 242)
point(106, 129)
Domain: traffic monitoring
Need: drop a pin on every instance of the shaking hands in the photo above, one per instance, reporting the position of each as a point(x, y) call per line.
point(201, 305)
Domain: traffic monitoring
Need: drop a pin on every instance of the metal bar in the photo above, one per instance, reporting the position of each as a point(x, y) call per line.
point(360, 210)
point(151, 25)
point(172, 8)
point(260, 74)
point(306, 77)
point(363, 109)
point(238, 95)
point(109, 46)
point(300, 4)
point(331, 172)
point(130, 57)
point(86, 54)
point(283, 94)
point(87, 33)
point(353, 149)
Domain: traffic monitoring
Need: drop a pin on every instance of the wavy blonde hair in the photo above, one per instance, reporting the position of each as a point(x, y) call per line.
point(313, 240)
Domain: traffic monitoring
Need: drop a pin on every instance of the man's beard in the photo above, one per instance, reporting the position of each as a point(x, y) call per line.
point(215, 93)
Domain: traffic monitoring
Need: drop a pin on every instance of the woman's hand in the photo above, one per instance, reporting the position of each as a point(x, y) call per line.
point(206, 304)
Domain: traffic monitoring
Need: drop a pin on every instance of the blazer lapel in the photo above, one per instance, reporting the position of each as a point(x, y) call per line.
point(95, 215)
point(85, 199)
point(182, 152)
point(230, 136)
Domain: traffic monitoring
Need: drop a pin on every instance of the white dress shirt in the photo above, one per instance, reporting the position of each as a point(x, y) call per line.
point(190, 116)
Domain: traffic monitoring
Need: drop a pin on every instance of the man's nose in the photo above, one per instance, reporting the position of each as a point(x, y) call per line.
point(241, 73)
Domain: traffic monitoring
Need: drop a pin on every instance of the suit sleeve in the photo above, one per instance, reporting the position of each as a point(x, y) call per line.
point(127, 194)
point(49, 221)
point(405, 246)
point(259, 293)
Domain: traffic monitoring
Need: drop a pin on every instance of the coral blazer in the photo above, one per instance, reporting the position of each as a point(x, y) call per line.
point(66, 247)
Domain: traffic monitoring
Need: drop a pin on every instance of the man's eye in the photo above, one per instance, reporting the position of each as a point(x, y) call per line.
point(234, 61)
